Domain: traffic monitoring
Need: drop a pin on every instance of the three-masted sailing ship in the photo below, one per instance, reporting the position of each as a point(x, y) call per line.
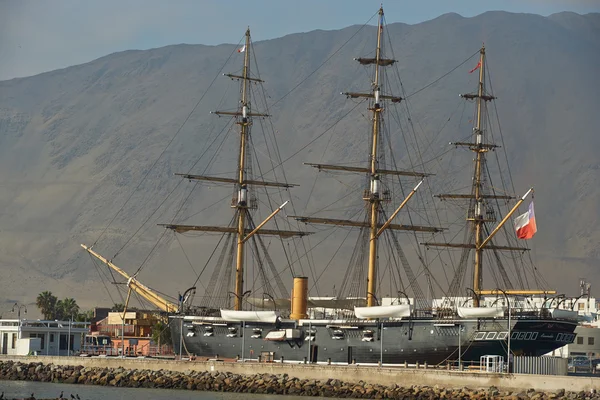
point(356, 326)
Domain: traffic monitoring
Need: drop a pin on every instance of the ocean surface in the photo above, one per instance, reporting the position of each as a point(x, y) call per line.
point(43, 390)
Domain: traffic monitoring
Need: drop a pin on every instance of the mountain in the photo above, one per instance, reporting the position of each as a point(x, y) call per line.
point(77, 144)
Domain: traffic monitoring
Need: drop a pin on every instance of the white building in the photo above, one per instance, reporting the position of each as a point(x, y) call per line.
point(55, 338)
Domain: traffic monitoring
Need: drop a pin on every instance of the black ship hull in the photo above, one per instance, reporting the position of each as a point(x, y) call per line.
point(368, 342)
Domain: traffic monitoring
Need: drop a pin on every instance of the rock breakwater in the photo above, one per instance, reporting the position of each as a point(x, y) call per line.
point(259, 383)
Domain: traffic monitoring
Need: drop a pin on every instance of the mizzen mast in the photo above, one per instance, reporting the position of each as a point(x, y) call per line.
point(477, 217)
point(480, 211)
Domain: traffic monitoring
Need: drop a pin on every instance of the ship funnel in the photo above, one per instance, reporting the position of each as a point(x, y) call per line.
point(299, 298)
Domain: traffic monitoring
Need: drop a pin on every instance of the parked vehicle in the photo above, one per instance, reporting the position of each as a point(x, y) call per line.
point(95, 345)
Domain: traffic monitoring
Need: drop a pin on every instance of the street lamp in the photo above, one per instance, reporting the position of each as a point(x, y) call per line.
point(17, 308)
point(69, 336)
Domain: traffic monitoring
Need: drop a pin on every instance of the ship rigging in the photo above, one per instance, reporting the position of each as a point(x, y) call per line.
point(230, 320)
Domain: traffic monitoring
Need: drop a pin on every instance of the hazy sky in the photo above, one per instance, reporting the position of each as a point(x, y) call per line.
point(38, 36)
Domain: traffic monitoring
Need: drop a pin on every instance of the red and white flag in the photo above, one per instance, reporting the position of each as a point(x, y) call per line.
point(525, 224)
point(476, 67)
point(243, 49)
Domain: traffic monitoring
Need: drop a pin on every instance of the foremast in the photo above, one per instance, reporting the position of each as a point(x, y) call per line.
point(242, 202)
point(373, 196)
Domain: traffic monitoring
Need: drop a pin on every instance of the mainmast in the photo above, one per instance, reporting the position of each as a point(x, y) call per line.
point(373, 195)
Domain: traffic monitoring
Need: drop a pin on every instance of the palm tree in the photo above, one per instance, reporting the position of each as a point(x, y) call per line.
point(85, 316)
point(46, 302)
point(66, 309)
point(161, 334)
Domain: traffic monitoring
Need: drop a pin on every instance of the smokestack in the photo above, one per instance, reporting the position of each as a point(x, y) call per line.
point(299, 298)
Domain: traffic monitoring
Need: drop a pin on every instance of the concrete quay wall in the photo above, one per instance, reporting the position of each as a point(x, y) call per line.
point(351, 373)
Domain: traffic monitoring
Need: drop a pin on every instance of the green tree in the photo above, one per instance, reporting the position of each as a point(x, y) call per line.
point(66, 309)
point(85, 316)
point(46, 302)
point(118, 307)
point(161, 334)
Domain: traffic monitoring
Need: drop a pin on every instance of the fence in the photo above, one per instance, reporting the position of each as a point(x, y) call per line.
point(540, 365)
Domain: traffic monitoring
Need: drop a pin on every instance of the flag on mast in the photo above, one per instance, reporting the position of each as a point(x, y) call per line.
point(525, 224)
point(243, 49)
point(476, 67)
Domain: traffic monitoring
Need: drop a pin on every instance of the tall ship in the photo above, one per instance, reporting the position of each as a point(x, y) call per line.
point(246, 311)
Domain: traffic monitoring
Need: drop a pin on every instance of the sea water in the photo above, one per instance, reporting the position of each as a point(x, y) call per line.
point(44, 390)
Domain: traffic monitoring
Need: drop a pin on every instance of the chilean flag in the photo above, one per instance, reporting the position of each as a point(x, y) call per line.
point(476, 67)
point(525, 224)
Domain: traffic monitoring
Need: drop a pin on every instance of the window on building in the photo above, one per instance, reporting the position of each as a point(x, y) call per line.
point(62, 342)
point(580, 340)
point(52, 338)
point(14, 341)
point(581, 306)
point(591, 341)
